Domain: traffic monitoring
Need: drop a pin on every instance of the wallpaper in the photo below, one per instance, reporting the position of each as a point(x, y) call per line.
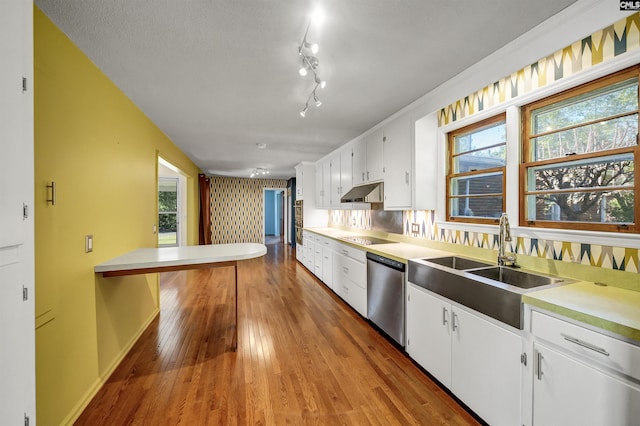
point(601, 46)
point(237, 208)
point(620, 258)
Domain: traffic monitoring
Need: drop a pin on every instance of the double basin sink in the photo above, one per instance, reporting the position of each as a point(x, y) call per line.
point(495, 291)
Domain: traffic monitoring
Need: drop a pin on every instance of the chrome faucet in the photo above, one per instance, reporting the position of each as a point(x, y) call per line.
point(503, 238)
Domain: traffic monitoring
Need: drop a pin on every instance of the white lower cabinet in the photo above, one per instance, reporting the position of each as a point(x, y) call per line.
point(309, 251)
point(479, 361)
point(327, 262)
point(350, 276)
point(582, 377)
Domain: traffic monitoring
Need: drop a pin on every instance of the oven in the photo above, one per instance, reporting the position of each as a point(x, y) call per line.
point(298, 221)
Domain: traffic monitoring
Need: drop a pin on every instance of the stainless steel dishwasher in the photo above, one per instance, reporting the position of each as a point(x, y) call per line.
point(385, 295)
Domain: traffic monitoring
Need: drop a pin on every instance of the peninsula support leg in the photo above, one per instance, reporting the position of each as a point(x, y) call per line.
point(235, 332)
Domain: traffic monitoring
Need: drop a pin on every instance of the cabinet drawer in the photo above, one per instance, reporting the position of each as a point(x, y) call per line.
point(353, 271)
point(354, 295)
point(608, 351)
point(352, 252)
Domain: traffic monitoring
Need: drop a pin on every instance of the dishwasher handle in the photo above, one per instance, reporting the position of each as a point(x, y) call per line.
point(394, 264)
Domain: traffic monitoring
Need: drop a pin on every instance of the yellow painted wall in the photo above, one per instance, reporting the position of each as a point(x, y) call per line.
point(101, 151)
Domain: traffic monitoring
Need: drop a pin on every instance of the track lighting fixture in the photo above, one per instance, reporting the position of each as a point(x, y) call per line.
point(259, 171)
point(310, 64)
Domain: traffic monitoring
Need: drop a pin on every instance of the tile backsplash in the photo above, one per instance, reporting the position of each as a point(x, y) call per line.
point(610, 257)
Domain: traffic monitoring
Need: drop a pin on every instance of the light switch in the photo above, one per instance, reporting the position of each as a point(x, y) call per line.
point(88, 243)
point(415, 229)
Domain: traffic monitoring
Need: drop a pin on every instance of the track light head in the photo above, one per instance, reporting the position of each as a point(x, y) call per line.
point(303, 113)
point(315, 98)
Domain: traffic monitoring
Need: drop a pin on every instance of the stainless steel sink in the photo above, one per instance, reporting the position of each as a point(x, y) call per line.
point(515, 277)
point(492, 290)
point(459, 263)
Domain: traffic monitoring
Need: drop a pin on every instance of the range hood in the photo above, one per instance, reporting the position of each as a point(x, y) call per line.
point(369, 193)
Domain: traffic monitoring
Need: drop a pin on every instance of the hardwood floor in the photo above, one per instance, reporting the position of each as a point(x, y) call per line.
point(304, 357)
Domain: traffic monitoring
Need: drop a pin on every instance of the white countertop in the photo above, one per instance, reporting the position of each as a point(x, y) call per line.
point(399, 251)
point(181, 256)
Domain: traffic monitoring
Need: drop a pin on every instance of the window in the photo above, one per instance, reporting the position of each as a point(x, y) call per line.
point(476, 172)
point(579, 153)
point(167, 212)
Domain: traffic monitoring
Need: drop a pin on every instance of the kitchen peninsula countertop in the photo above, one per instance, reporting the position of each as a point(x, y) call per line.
point(610, 308)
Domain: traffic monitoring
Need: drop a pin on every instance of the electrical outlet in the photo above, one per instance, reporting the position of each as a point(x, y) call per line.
point(88, 243)
point(415, 229)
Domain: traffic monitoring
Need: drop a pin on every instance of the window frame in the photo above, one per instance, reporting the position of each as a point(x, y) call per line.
point(527, 150)
point(450, 175)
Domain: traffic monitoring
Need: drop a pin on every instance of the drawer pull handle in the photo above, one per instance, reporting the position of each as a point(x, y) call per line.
point(585, 344)
point(445, 313)
point(345, 269)
point(539, 359)
point(453, 322)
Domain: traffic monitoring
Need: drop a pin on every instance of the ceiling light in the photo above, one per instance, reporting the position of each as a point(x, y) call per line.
point(310, 62)
point(321, 83)
point(317, 17)
point(259, 171)
point(261, 145)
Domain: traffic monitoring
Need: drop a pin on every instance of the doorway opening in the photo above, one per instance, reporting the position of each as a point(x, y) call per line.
point(172, 210)
point(273, 222)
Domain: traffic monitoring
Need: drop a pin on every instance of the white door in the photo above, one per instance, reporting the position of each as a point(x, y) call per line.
point(17, 325)
point(567, 392)
point(429, 333)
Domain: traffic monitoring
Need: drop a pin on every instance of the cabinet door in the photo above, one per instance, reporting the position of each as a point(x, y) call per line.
point(374, 156)
point(567, 392)
point(398, 158)
point(346, 170)
point(486, 368)
point(326, 183)
point(429, 333)
point(327, 266)
point(335, 180)
point(359, 164)
point(319, 185)
point(299, 182)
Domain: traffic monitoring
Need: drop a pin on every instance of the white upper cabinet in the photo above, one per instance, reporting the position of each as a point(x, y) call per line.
point(335, 180)
point(359, 162)
point(427, 162)
point(346, 170)
point(367, 164)
point(299, 182)
point(374, 156)
point(398, 164)
point(319, 185)
point(326, 183)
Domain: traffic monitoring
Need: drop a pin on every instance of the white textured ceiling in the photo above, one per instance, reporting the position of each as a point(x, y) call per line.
point(220, 76)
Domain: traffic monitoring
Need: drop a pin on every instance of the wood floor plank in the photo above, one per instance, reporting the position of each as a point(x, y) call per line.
point(303, 357)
